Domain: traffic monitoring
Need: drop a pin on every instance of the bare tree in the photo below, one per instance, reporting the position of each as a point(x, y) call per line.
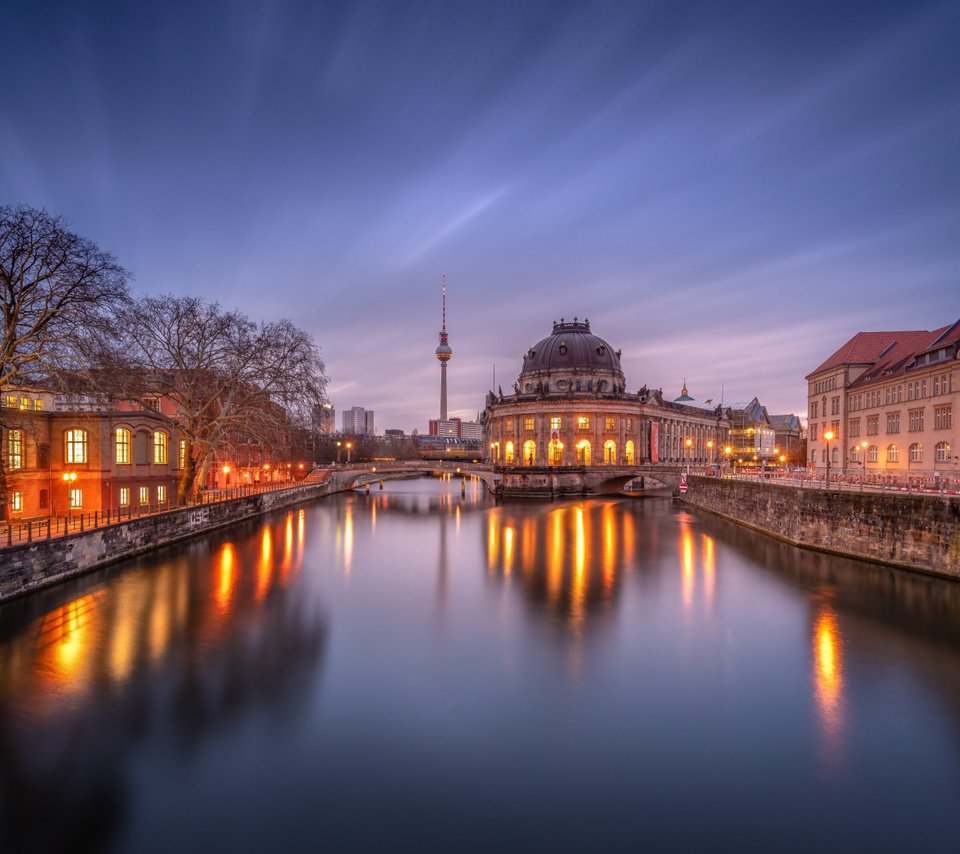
point(228, 378)
point(56, 288)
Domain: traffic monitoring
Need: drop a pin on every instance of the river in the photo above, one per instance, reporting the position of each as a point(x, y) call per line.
point(417, 669)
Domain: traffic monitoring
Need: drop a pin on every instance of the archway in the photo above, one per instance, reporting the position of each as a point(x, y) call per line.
point(610, 452)
point(583, 453)
point(628, 452)
point(509, 452)
point(555, 452)
point(529, 452)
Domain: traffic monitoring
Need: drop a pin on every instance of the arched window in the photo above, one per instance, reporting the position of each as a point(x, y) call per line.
point(610, 452)
point(529, 452)
point(893, 454)
point(555, 452)
point(628, 452)
point(943, 452)
point(159, 448)
point(873, 454)
point(916, 453)
point(75, 446)
point(122, 442)
point(509, 450)
point(583, 453)
point(855, 454)
point(836, 455)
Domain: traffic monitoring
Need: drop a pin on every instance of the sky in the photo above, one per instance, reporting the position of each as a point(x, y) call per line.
point(728, 191)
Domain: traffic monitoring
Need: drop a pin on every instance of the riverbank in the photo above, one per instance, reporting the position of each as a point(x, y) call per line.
point(917, 532)
point(27, 567)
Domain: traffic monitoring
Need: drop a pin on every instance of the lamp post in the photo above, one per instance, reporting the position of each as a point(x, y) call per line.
point(726, 456)
point(863, 462)
point(69, 477)
point(349, 447)
point(827, 436)
point(338, 452)
point(686, 454)
point(710, 448)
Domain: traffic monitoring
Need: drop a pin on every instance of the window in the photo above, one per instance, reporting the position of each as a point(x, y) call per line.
point(835, 453)
point(529, 453)
point(16, 502)
point(893, 454)
point(873, 425)
point(855, 454)
point(44, 498)
point(556, 453)
point(873, 454)
point(813, 432)
point(610, 452)
point(509, 454)
point(76, 446)
point(38, 404)
point(942, 418)
point(123, 446)
point(161, 494)
point(629, 424)
point(145, 495)
point(916, 453)
point(152, 403)
point(76, 499)
point(813, 410)
point(854, 427)
point(182, 454)
point(583, 422)
point(628, 452)
point(508, 424)
point(609, 423)
point(942, 451)
point(124, 496)
point(916, 419)
point(835, 406)
point(555, 422)
point(528, 424)
point(159, 448)
point(15, 449)
point(893, 422)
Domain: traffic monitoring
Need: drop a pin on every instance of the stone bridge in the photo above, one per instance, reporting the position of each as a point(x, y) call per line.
point(521, 481)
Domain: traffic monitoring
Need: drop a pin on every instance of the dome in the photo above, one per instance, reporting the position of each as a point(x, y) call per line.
point(571, 359)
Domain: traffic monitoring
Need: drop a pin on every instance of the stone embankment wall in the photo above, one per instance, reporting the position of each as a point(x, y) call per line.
point(31, 566)
point(913, 531)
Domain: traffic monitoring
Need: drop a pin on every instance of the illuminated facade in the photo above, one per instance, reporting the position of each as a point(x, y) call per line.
point(570, 407)
point(887, 399)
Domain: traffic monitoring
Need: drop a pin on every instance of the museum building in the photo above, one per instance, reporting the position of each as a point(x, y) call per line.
point(570, 407)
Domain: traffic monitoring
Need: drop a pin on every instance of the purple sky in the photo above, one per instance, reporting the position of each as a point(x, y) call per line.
point(727, 190)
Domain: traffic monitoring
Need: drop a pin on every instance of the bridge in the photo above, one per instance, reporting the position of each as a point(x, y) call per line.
point(517, 481)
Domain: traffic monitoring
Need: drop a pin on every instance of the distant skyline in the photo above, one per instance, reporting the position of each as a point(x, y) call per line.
point(727, 191)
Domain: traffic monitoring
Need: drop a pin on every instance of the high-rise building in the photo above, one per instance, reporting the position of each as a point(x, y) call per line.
point(358, 421)
point(443, 352)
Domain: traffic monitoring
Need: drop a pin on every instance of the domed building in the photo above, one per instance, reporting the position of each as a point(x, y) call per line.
point(570, 407)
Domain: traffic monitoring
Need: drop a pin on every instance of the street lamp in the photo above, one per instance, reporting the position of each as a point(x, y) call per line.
point(827, 437)
point(349, 447)
point(726, 454)
point(863, 462)
point(686, 455)
point(338, 452)
point(710, 447)
point(226, 475)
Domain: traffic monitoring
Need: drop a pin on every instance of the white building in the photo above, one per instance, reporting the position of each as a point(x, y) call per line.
point(358, 421)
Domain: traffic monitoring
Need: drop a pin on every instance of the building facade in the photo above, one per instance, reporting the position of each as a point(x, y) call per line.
point(882, 406)
point(570, 406)
point(72, 455)
point(358, 421)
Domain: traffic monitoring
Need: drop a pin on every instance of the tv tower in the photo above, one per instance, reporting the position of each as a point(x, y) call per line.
point(444, 353)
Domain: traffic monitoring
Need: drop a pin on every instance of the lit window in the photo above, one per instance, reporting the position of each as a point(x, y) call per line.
point(38, 404)
point(76, 446)
point(16, 502)
point(555, 422)
point(159, 448)
point(508, 424)
point(76, 499)
point(124, 496)
point(24, 402)
point(943, 452)
point(144, 494)
point(609, 423)
point(583, 423)
point(161, 494)
point(11, 401)
point(509, 452)
point(893, 454)
point(123, 446)
point(528, 424)
point(15, 449)
point(182, 454)
point(873, 454)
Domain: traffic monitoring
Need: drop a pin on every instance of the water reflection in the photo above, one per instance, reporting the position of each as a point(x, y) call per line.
point(178, 644)
point(828, 683)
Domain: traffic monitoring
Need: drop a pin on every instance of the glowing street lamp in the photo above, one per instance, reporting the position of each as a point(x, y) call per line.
point(338, 452)
point(863, 462)
point(828, 437)
point(226, 475)
point(349, 447)
point(726, 456)
point(710, 448)
point(686, 454)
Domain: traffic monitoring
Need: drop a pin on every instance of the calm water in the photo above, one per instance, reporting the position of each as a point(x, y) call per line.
point(413, 670)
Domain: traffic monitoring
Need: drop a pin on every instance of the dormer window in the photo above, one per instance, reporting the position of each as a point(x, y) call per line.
point(563, 349)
